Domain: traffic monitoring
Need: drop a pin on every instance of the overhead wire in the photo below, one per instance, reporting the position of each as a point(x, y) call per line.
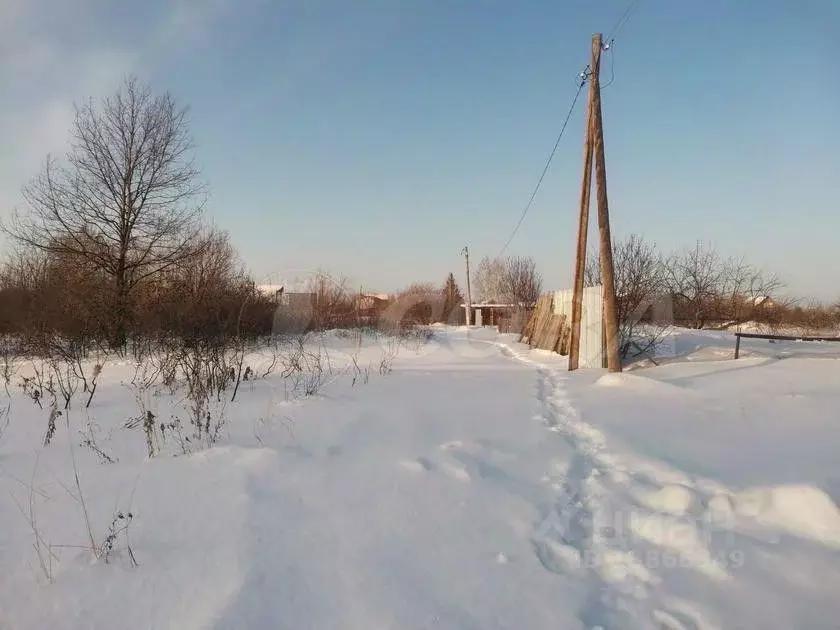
point(610, 39)
point(582, 78)
point(625, 17)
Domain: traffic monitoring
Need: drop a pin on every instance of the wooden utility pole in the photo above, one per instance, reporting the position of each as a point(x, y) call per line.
point(607, 269)
point(594, 150)
point(466, 253)
point(583, 226)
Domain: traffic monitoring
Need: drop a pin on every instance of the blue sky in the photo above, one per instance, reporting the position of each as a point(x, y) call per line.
point(375, 138)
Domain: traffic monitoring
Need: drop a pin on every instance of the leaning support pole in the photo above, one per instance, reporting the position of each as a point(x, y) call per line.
point(583, 227)
point(607, 270)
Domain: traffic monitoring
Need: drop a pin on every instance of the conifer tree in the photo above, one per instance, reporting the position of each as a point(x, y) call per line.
point(452, 298)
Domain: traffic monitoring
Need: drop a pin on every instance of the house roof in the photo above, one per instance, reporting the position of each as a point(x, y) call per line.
point(269, 289)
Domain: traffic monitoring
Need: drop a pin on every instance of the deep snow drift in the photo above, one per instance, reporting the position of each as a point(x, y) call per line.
point(477, 485)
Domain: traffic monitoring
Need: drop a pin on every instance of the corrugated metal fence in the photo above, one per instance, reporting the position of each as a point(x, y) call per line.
point(592, 323)
point(549, 325)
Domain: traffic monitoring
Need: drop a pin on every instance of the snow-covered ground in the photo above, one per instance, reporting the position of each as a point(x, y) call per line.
point(477, 485)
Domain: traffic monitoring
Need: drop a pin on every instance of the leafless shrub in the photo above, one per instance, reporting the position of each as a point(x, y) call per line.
point(51, 426)
point(91, 387)
point(238, 363)
point(45, 551)
point(118, 528)
point(88, 440)
point(141, 386)
point(66, 378)
point(31, 390)
point(305, 368)
point(8, 356)
point(40, 386)
point(203, 364)
point(146, 373)
point(149, 430)
point(640, 281)
point(239, 353)
point(388, 355)
point(173, 427)
point(207, 375)
point(119, 523)
point(41, 546)
point(168, 370)
point(79, 497)
point(810, 318)
point(275, 359)
point(359, 373)
point(5, 418)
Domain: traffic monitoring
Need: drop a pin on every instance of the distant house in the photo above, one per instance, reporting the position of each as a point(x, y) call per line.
point(272, 291)
point(764, 301)
point(370, 306)
point(297, 301)
point(371, 301)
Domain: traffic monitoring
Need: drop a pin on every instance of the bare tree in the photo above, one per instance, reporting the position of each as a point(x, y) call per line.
point(489, 280)
point(708, 288)
point(521, 282)
point(639, 275)
point(332, 305)
point(746, 292)
point(639, 283)
point(696, 278)
point(514, 280)
point(127, 198)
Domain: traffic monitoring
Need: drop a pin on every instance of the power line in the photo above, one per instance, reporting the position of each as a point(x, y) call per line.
point(625, 17)
point(610, 39)
point(582, 81)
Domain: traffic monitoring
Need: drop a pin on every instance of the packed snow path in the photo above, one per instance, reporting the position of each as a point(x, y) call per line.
point(411, 505)
point(478, 486)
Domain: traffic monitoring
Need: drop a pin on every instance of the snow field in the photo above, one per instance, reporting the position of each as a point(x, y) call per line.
point(471, 484)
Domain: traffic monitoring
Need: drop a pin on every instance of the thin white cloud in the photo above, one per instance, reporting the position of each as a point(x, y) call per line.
point(41, 124)
point(46, 66)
